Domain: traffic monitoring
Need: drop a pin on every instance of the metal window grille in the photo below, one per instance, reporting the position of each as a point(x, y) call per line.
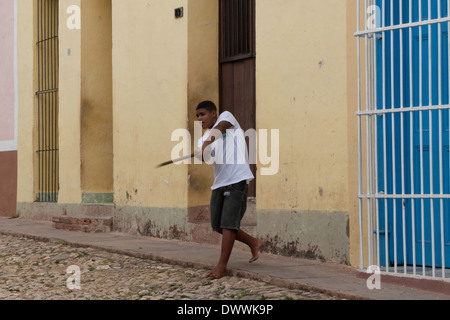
point(237, 30)
point(47, 100)
point(403, 136)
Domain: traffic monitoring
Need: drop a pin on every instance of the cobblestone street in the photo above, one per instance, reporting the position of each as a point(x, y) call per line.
point(34, 270)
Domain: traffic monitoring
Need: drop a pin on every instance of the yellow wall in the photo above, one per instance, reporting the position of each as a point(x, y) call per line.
point(301, 90)
point(96, 97)
point(203, 84)
point(150, 101)
point(352, 133)
point(69, 108)
point(26, 87)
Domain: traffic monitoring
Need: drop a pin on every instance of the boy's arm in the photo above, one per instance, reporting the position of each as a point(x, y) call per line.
point(222, 127)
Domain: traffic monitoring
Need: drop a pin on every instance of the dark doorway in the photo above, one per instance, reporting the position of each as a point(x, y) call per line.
point(237, 65)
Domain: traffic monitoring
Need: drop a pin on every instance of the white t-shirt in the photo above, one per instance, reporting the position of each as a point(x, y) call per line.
point(229, 154)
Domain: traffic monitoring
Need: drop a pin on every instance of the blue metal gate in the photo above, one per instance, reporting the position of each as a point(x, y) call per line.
point(407, 98)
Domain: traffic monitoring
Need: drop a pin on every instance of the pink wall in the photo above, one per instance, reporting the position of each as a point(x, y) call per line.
point(7, 95)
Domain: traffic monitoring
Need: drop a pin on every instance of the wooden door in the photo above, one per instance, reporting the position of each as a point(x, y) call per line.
point(237, 65)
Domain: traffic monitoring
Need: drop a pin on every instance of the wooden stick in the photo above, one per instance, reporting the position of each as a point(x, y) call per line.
point(175, 160)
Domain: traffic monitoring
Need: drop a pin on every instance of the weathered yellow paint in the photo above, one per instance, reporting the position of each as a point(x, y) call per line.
point(302, 78)
point(352, 134)
point(150, 64)
point(203, 84)
point(26, 85)
point(69, 108)
point(96, 97)
point(301, 90)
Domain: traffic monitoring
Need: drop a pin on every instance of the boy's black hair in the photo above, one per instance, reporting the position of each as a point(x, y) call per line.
point(208, 105)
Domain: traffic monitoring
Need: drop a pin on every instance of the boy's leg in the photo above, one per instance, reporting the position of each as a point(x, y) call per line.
point(254, 244)
point(228, 239)
point(229, 211)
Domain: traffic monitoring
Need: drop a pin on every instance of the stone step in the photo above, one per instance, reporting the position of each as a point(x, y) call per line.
point(88, 224)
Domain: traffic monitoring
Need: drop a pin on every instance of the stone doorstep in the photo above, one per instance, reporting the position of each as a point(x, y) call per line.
point(88, 224)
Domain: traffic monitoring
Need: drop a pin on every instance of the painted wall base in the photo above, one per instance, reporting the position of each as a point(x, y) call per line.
point(317, 235)
point(46, 211)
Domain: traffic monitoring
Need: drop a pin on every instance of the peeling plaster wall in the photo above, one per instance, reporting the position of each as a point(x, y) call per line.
point(318, 235)
point(167, 223)
point(149, 102)
point(96, 98)
point(301, 72)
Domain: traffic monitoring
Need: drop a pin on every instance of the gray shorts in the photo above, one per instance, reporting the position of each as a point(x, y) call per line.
point(228, 206)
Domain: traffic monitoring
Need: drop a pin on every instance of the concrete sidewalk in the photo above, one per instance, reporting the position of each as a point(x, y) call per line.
point(336, 280)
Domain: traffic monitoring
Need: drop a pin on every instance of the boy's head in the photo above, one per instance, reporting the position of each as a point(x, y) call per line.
point(207, 113)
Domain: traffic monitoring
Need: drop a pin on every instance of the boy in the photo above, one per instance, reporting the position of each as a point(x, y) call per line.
point(231, 177)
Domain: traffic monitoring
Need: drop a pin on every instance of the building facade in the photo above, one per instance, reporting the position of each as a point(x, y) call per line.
point(105, 86)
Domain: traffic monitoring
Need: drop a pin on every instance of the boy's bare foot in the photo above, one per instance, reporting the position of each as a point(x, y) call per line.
point(255, 251)
point(216, 273)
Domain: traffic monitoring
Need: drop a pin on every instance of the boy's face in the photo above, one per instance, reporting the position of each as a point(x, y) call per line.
point(208, 118)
